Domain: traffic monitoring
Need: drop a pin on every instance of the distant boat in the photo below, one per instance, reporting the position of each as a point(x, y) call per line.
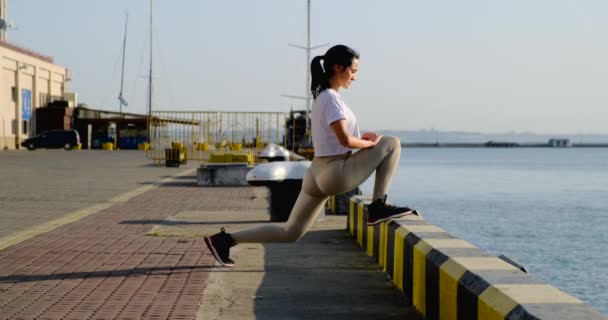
point(499, 144)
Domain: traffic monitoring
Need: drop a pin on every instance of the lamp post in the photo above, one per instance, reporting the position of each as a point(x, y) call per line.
point(308, 49)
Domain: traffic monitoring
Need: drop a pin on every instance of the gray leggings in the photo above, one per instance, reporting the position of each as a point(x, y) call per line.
point(329, 176)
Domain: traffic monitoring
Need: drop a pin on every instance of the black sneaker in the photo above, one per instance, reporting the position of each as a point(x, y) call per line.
point(220, 244)
point(379, 211)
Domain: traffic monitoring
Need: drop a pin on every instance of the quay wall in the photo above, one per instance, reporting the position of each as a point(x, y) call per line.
point(448, 278)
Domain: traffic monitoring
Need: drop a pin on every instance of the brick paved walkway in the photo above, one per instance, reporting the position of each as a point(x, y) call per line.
point(104, 267)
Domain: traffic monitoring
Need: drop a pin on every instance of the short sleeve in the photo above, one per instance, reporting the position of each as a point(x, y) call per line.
point(333, 110)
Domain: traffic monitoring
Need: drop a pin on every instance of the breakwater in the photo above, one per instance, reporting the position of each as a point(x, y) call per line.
point(449, 278)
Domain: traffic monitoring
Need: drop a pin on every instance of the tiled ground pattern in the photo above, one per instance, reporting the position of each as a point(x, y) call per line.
point(104, 267)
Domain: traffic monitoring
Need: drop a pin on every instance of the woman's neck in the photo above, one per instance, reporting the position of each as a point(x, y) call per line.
point(334, 84)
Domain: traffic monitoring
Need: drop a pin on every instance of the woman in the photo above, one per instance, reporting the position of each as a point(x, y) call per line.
point(334, 168)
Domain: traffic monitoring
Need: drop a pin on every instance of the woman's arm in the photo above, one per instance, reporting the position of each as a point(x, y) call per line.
point(348, 140)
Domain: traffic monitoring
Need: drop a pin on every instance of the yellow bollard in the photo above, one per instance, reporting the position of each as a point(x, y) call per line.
point(108, 146)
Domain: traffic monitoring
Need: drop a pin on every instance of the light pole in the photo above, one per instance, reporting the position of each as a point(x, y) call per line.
point(308, 49)
point(150, 88)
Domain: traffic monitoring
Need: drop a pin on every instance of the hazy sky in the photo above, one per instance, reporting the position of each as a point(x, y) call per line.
point(483, 65)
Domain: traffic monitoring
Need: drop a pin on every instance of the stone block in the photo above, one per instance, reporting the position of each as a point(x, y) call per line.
point(224, 174)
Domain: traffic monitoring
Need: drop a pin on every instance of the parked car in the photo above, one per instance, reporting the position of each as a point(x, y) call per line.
point(66, 139)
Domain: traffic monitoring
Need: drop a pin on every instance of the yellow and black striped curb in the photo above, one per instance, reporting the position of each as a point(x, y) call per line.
point(448, 278)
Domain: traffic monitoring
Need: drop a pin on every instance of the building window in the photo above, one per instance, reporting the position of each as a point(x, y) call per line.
point(43, 99)
point(26, 127)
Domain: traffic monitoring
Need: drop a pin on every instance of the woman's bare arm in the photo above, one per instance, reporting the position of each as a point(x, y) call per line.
point(348, 140)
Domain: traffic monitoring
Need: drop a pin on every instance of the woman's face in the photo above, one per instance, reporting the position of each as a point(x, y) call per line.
point(346, 76)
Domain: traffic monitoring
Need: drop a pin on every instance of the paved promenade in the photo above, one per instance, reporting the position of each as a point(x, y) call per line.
point(131, 248)
point(42, 185)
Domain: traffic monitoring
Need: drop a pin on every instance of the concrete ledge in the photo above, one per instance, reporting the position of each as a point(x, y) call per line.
point(225, 174)
point(449, 278)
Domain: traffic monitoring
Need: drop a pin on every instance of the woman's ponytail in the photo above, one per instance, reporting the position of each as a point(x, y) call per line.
point(321, 72)
point(318, 81)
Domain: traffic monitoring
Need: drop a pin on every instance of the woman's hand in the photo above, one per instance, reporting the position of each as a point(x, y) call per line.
point(371, 136)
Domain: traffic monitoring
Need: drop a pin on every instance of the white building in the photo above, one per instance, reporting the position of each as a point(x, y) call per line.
point(28, 80)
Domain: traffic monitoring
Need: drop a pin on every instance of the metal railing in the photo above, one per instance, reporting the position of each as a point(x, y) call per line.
point(203, 132)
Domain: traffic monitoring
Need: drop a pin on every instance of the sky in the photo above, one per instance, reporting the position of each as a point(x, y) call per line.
point(470, 65)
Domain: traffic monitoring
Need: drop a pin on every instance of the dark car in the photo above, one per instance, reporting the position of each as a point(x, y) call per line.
point(66, 139)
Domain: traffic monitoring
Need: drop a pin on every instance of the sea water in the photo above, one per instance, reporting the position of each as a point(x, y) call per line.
point(546, 208)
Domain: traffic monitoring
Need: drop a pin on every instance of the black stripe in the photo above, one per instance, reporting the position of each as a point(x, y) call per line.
point(408, 264)
point(356, 218)
point(390, 249)
point(377, 241)
point(509, 276)
point(434, 260)
point(470, 287)
point(519, 313)
point(364, 238)
point(348, 222)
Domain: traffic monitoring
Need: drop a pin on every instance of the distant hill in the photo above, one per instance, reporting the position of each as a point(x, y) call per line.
point(436, 136)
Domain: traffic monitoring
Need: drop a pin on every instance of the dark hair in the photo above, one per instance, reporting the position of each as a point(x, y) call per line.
point(320, 74)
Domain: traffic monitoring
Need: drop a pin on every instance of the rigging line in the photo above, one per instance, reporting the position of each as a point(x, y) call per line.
point(140, 72)
point(111, 81)
point(164, 69)
point(121, 98)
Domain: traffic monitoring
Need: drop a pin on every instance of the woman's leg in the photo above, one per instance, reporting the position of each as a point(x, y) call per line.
point(325, 176)
point(344, 175)
point(304, 213)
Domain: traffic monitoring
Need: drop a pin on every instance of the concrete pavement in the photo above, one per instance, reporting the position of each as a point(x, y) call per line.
point(42, 185)
point(325, 275)
point(143, 257)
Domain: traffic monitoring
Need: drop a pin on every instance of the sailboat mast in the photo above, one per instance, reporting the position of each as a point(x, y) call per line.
point(121, 98)
point(308, 69)
point(150, 77)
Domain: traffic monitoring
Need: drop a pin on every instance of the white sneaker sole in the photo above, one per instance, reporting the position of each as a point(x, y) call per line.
point(399, 215)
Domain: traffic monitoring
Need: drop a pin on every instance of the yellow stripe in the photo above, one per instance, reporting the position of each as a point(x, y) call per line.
point(409, 217)
point(494, 304)
point(450, 273)
point(449, 243)
point(484, 263)
point(400, 234)
point(419, 278)
point(77, 215)
point(526, 293)
point(498, 300)
point(382, 245)
point(351, 213)
point(423, 228)
point(370, 241)
point(360, 225)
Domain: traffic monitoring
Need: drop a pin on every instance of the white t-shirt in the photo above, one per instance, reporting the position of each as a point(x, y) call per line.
point(327, 108)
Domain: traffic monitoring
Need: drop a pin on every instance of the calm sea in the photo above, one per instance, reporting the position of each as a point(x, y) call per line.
point(545, 208)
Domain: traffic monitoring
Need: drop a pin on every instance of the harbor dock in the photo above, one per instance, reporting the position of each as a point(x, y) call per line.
point(110, 235)
point(107, 235)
